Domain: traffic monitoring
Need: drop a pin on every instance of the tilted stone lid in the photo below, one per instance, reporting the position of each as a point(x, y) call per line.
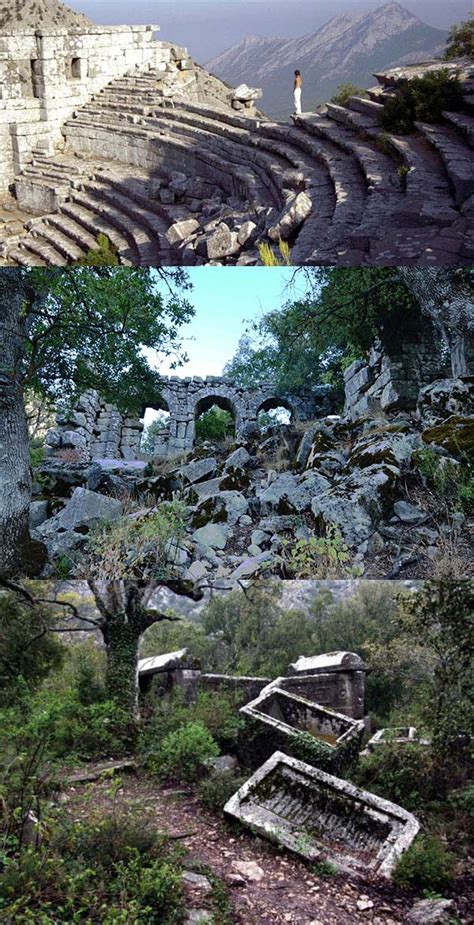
point(329, 661)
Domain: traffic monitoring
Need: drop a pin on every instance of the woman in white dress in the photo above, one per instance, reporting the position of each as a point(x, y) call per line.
point(297, 92)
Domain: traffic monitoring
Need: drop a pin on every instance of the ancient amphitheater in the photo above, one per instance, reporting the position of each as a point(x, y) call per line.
point(113, 131)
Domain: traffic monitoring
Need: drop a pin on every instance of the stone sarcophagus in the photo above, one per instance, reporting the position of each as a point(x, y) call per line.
point(335, 679)
point(278, 719)
point(323, 818)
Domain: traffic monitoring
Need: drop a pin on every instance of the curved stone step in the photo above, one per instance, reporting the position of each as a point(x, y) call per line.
point(83, 212)
point(133, 231)
point(44, 249)
point(74, 231)
point(463, 123)
point(25, 258)
point(54, 235)
point(456, 156)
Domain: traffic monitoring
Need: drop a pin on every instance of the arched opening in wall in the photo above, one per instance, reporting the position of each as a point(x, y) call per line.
point(214, 418)
point(155, 434)
point(274, 411)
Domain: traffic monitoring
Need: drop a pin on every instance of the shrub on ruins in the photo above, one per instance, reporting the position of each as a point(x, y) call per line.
point(183, 753)
point(105, 254)
point(138, 545)
point(218, 787)
point(426, 865)
point(217, 712)
point(408, 774)
point(316, 557)
point(422, 99)
point(460, 42)
point(344, 93)
point(111, 868)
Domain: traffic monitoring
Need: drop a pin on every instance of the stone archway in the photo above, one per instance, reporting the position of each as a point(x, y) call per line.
point(275, 403)
point(214, 401)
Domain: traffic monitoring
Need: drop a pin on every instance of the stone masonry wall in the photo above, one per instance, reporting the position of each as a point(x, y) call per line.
point(391, 378)
point(95, 429)
point(46, 75)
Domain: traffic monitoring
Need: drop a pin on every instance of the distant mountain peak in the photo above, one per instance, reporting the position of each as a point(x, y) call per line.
point(350, 47)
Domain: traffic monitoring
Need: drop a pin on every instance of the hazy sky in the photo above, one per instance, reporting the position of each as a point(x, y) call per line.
point(225, 298)
point(207, 27)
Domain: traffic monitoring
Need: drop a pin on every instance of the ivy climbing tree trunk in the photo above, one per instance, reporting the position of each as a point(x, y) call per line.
point(18, 553)
point(446, 297)
point(125, 614)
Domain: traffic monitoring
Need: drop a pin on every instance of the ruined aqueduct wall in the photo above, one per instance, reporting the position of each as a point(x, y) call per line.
point(98, 430)
point(46, 75)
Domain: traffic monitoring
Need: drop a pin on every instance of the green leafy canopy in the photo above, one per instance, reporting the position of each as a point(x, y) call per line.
point(95, 328)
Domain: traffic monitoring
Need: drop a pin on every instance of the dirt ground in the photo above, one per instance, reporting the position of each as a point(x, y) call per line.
point(287, 893)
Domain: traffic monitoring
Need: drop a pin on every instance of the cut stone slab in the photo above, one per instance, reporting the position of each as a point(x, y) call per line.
point(182, 230)
point(329, 661)
point(213, 535)
point(322, 817)
point(199, 470)
point(238, 459)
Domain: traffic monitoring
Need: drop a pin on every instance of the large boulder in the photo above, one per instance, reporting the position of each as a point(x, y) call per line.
point(221, 507)
point(291, 494)
point(455, 434)
point(358, 502)
point(84, 511)
point(445, 397)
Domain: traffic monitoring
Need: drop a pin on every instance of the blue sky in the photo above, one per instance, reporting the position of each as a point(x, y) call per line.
point(225, 298)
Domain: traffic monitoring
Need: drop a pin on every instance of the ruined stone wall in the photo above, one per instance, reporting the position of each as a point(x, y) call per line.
point(46, 75)
point(95, 429)
point(391, 378)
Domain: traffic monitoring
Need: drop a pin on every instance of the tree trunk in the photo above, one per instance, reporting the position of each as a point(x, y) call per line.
point(124, 618)
point(445, 296)
point(19, 555)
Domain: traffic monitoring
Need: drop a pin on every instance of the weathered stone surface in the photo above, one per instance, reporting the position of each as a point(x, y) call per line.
point(222, 243)
point(213, 535)
point(409, 513)
point(289, 494)
point(356, 504)
point(182, 230)
point(292, 218)
point(38, 513)
point(431, 912)
point(84, 510)
point(199, 469)
point(443, 398)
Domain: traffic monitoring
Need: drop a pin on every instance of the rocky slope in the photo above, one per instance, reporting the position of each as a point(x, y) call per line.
point(21, 15)
point(350, 47)
point(340, 498)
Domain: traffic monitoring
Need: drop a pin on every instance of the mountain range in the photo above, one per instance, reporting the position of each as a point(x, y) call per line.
point(348, 48)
